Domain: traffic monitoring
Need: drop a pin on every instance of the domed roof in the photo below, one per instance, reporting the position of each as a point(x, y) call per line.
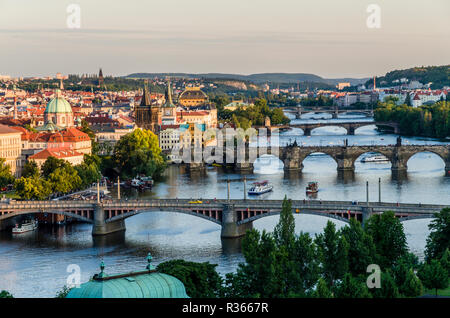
point(58, 105)
point(145, 285)
point(193, 93)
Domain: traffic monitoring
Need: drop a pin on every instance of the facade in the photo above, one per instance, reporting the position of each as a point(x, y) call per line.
point(59, 112)
point(11, 149)
point(148, 116)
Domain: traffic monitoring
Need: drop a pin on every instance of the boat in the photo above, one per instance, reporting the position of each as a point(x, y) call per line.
point(260, 187)
point(142, 182)
point(377, 158)
point(312, 187)
point(25, 227)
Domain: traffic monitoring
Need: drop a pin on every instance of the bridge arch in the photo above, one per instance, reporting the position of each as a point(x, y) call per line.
point(59, 212)
point(163, 209)
point(432, 152)
point(307, 157)
point(365, 154)
point(337, 125)
point(305, 211)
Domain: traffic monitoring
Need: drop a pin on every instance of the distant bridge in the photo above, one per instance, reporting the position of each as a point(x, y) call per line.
point(234, 216)
point(349, 126)
point(300, 110)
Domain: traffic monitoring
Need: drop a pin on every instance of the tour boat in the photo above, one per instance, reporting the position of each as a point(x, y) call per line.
point(142, 182)
point(312, 187)
point(260, 187)
point(25, 227)
point(377, 158)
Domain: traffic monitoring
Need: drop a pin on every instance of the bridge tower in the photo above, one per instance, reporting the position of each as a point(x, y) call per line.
point(335, 113)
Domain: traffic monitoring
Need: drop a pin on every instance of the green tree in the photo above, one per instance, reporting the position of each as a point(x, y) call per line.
point(200, 279)
point(362, 251)
point(32, 188)
point(5, 294)
point(5, 174)
point(63, 292)
point(333, 253)
point(137, 145)
point(322, 290)
point(284, 232)
point(388, 288)
point(51, 164)
point(439, 238)
point(64, 179)
point(30, 169)
point(388, 236)
point(412, 286)
point(433, 275)
point(351, 287)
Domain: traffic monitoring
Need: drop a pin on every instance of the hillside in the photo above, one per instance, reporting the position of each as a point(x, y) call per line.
point(258, 78)
point(438, 75)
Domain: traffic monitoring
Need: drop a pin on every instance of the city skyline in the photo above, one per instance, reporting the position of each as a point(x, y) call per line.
point(325, 38)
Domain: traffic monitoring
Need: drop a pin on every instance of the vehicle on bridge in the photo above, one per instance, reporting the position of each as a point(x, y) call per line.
point(260, 187)
point(196, 202)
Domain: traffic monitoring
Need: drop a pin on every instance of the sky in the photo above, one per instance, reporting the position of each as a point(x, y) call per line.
point(330, 38)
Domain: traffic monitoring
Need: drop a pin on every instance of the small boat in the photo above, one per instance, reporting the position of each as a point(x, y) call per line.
point(312, 187)
point(260, 187)
point(377, 158)
point(25, 227)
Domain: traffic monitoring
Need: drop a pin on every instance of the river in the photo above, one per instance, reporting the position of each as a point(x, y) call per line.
point(35, 264)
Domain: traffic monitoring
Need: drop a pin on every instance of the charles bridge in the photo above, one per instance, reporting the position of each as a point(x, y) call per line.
point(293, 155)
point(234, 216)
point(349, 126)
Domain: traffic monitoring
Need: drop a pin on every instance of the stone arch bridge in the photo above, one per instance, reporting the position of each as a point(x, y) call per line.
point(349, 126)
point(345, 156)
point(234, 216)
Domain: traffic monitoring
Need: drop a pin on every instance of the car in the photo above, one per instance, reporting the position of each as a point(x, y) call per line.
point(196, 202)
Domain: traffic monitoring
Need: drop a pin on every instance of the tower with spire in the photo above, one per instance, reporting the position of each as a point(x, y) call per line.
point(148, 116)
point(100, 78)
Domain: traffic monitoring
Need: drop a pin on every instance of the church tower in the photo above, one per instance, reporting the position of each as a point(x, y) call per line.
point(148, 116)
point(100, 79)
point(169, 110)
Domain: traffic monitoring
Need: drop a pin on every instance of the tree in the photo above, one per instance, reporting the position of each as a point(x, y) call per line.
point(362, 251)
point(333, 253)
point(51, 164)
point(439, 238)
point(63, 292)
point(388, 236)
point(64, 179)
point(322, 290)
point(433, 275)
point(137, 145)
point(200, 279)
point(351, 287)
point(284, 232)
point(33, 188)
point(5, 294)
point(5, 174)
point(30, 169)
point(388, 288)
point(412, 286)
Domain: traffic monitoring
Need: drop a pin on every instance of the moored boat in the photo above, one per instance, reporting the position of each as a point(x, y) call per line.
point(25, 227)
point(376, 158)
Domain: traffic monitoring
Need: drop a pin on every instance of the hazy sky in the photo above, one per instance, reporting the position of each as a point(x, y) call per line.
point(329, 38)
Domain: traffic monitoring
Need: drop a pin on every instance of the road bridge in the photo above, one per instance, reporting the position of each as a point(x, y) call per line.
point(234, 216)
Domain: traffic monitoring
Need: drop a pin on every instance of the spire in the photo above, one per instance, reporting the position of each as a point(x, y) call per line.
point(146, 100)
point(61, 84)
point(169, 102)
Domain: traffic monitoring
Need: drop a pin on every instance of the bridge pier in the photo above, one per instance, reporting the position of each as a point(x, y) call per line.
point(447, 168)
point(351, 131)
point(307, 131)
point(334, 115)
point(366, 213)
point(243, 167)
point(195, 166)
point(100, 227)
point(230, 228)
point(345, 164)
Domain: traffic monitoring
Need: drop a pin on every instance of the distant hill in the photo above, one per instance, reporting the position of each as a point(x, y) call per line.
point(258, 78)
point(438, 75)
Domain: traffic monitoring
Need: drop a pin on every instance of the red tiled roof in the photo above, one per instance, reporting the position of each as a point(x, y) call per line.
point(59, 153)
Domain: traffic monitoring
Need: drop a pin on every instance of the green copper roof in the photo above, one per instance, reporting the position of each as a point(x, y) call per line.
point(49, 126)
point(58, 105)
point(145, 285)
point(168, 96)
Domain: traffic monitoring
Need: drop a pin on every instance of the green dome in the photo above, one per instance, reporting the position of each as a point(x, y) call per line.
point(58, 105)
point(147, 284)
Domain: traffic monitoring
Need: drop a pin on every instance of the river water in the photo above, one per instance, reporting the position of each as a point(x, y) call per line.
point(35, 264)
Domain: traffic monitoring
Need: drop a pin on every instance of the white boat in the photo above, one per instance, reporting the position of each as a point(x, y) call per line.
point(377, 158)
point(260, 187)
point(25, 227)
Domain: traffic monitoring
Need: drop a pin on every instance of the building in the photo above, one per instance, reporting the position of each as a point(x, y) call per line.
point(58, 112)
point(192, 97)
point(341, 86)
point(147, 283)
point(11, 148)
point(67, 154)
point(237, 104)
point(147, 115)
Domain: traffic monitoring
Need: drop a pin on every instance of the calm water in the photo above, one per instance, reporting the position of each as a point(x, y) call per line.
point(34, 265)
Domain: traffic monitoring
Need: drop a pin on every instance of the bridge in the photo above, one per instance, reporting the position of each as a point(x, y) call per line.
point(234, 216)
point(300, 110)
point(293, 156)
point(349, 126)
